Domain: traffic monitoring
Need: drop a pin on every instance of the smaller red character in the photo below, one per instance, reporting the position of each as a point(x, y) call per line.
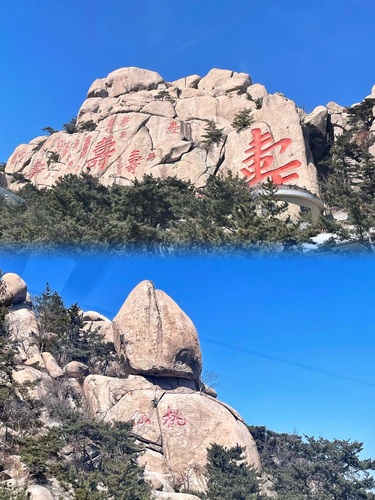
point(85, 148)
point(60, 144)
point(75, 144)
point(18, 157)
point(173, 128)
point(134, 161)
point(110, 123)
point(119, 165)
point(65, 150)
point(151, 156)
point(141, 420)
point(123, 134)
point(124, 121)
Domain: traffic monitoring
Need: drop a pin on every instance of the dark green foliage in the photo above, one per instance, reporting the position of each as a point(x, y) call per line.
point(151, 214)
point(19, 413)
point(62, 333)
point(49, 130)
point(228, 478)
point(259, 103)
point(213, 134)
point(314, 469)
point(53, 157)
point(361, 115)
point(350, 184)
point(242, 120)
point(100, 454)
point(17, 176)
point(88, 126)
point(70, 127)
point(8, 493)
point(163, 95)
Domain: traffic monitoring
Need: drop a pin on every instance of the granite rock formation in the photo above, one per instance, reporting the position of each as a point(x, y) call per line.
point(159, 390)
point(134, 123)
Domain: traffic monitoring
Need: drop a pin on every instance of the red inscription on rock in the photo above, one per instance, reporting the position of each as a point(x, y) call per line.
point(123, 134)
point(102, 151)
point(36, 169)
point(60, 144)
point(124, 121)
point(151, 156)
point(173, 128)
point(259, 161)
point(66, 150)
point(75, 144)
point(110, 123)
point(173, 417)
point(134, 161)
point(141, 420)
point(19, 156)
point(119, 165)
point(85, 148)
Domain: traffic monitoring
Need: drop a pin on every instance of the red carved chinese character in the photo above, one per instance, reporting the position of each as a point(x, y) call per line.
point(124, 121)
point(19, 156)
point(110, 123)
point(151, 156)
point(134, 161)
point(140, 419)
point(37, 167)
point(60, 144)
point(259, 161)
point(85, 148)
point(65, 150)
point(173, 128)
point(103, 150)
point(173, 417)
point(123, 134)
point(75, 144)
point(119, 165)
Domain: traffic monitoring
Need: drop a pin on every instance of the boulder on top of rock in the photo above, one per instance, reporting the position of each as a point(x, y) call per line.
point(75, 369)
point(155, 336)
point(125, 80)
point(13, 289)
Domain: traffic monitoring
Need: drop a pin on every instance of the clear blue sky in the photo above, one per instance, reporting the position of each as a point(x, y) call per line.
point(313, 52)
point(292, 339)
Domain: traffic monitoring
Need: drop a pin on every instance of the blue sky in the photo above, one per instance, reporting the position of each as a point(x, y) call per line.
point(292, 339)
point(313, 52)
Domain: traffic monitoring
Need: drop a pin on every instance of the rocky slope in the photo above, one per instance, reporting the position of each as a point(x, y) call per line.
point(134, 123)
point(157, 387)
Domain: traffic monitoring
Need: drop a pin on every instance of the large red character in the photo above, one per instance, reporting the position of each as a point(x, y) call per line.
point(259, 161)
point(103, 150)
point(36, 169)
point(173, 417)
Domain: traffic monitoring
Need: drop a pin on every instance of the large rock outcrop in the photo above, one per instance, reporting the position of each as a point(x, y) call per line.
point(156, 387)
point(134, 123)
point(176, 422)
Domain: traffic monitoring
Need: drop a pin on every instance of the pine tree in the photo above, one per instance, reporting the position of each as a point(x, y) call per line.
point(228, 477)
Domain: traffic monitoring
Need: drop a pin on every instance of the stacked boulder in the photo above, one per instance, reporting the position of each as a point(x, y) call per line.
point(173, 413)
